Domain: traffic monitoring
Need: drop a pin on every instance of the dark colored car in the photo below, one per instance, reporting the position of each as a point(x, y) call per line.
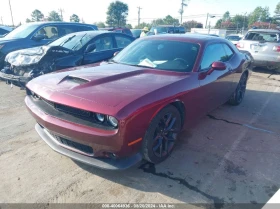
point(37, 34)
point(163, 29)
point(114, 114)
point(118, 30)
point(4, 30)
point(136, 33)
point(72, 50)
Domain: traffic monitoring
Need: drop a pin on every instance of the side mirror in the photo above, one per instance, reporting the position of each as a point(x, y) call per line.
point(90, 48)
point(220, 66)
point(116, 53)
point(39, 37)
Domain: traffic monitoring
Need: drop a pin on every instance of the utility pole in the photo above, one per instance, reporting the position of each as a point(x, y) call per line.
point(61, 11)
point(2, 20)
point(206, 20)
point(243, 26)
point(11, 13)
point(139, 9)
point(181, 11)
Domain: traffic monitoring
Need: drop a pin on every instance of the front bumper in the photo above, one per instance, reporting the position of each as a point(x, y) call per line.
point(104, 163)
point(14, 79)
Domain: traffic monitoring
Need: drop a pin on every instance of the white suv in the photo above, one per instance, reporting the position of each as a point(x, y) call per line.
point(264, 46)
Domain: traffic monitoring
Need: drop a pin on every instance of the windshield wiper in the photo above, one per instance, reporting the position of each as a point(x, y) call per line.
point(80, 41)
point(134, 65)
point(69, 39)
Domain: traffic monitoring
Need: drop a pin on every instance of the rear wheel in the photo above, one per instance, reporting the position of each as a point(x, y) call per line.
point(161, 135)
point(239, 93)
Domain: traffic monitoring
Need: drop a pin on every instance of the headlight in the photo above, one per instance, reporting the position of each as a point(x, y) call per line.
point(100, 117)
point(113, 121)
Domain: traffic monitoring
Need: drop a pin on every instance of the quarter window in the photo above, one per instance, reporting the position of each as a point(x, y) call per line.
point(229, 52)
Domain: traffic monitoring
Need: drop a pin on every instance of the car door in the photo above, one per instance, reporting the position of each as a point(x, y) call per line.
point(214, 85)
point(104, 50)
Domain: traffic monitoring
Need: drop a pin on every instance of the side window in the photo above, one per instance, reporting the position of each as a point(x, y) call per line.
point(50, 32)
point(122, 41)
point(83, 28)
point(103, 44)
point(229, 52)
point(66, 29)
point(213, 53)
point(2, 31)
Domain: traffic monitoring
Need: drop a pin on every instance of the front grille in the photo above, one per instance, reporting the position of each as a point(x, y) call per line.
point(75, 145)
point(68, 113)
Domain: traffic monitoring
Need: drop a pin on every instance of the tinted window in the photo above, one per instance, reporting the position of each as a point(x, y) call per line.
point(213, 53)
point(83, 28)
point(2, 31)
point(160, 54)
point(233, 38)
point(262, 36)
point(229, 51)
point(50, 32)
point(66, 29)
point(122, 41)
point(103, 44)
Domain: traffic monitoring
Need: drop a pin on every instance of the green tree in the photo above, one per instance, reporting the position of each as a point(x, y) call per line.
point(54, 16)
point(240, 21)
point(168, 20)
point(226, 16)
point(117, 14)
point(192, 24)
point(100, 24)
point(259, 14)
point(128, 26)
point(277, 9)
point(142, 25)
point(219, 24)
point(28, 20)
point(74, 18)
point(37, 16)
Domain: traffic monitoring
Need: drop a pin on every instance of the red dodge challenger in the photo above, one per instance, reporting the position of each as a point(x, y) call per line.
point(114, 114)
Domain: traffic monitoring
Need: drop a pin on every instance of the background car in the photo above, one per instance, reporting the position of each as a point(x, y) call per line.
point(37, 34)
point(4, 30)
point(75, 49)
point(118, 30)
point(234, 38)
point(264, 46)
point(163, 29)
point(113, 114)
point(136, 33)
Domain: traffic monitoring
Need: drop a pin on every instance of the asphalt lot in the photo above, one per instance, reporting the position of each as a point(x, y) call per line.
point(230, 156)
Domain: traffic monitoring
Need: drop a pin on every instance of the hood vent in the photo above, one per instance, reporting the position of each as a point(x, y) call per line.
point(74, 79)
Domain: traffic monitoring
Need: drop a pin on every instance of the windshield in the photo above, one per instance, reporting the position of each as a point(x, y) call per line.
point(72, 42)
point(22, 31)
point(233, 38)
point(262, 36)
point(160, 54)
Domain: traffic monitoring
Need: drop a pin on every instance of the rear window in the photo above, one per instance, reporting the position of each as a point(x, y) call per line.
point(262, 36)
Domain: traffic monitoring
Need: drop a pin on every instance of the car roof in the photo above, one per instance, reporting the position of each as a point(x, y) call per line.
point(191, 37)
point(265, 30)
point(58, 22)
point(97, 32)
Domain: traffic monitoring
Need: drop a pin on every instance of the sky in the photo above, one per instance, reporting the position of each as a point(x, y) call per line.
point(95, 10)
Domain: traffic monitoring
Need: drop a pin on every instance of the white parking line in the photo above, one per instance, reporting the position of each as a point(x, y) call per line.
point(274, 201)
point(208, 185)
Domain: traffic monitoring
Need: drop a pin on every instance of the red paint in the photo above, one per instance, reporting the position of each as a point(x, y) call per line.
point(134, 95)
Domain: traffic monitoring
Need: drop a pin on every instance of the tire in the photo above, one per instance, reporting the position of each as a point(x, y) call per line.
point(239, 93)
point(161, 135)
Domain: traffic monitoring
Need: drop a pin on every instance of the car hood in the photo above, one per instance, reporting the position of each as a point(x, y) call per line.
point(26, 56)
point(106, 85)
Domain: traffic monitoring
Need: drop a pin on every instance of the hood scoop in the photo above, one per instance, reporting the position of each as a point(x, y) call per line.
point(72, 81)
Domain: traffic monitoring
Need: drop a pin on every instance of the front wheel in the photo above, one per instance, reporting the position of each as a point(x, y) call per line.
point(161, 135)
point(239, 93)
